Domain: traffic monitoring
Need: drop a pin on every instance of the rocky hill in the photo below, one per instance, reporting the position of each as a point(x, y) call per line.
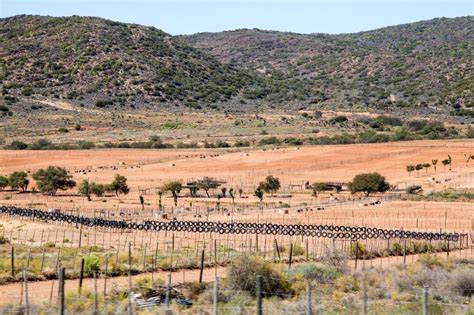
point(95, 61)
point(425, 66)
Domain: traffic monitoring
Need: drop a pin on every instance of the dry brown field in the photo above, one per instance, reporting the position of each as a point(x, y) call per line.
point(147, 170)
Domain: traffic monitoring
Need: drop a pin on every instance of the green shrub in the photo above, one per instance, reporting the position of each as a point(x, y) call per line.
point(462, 283)
point(4, 240)
point(103, 103)
point(317, 272)
point(338, 119)
point(17, 145)
point(91, 264)
point(270, 140)
point(242, 275)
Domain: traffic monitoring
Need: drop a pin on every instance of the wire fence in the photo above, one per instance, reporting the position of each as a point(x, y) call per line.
point(215, 298)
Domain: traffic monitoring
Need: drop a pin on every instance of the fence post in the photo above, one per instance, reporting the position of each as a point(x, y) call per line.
point(95, 293)
point(81, 276)
point(404, 251)
point(168, 290)
point(216, 295)
point(105, 275)
point(129, 308)
point(80, 236)
point(42, 261)
point(425, 301)
point(13, 261)
point(259, 295)
point(61, 290)
point(365, 296)
point(309, 307)
point(277, 249)
point(291, 256)
point(25, 285)
point(202, 266)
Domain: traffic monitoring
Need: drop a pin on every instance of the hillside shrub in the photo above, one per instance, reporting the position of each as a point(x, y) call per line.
point(17, 145)
point(242, 275)
point(91, 264)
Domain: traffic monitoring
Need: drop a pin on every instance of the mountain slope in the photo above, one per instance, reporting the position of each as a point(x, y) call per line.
point(91, 59)
point(425, 66)
point(421, 64)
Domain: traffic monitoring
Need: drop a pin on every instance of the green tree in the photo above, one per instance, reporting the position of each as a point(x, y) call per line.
point(418, 167)
point(450, 160)
point(368, 183)
point(434, 162)
point(85, 188)
point(193, 188)
point(445, 162)
point(410, 168)
point(426, 166)
point(97, 189)
point(259, 193)
point(175, 188)
point(224, 192)
point(270, 185)
point(3, 182)
point(17, 145)
point(232, 194)
point(119, 185)
point(208, 183)
point(317, 188)
point(18, 180)
point(240, 192)
point(52, 179)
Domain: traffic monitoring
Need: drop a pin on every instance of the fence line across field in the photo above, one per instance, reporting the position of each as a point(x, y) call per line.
point(308, 302)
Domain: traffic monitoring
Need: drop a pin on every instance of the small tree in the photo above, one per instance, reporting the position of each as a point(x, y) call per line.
point(450, 162)
point(240, 192)
point(418, 167)
point(224, 192)
point(410, 168)
point(142, 202)
point(85, 189)
point(368, 183)
point(97, 189)
point(52, 179)
point(434, 162)
point(207, 183)
point(160, 195)
point(91, 264)
point(259, 193)
point(193, 188)
point(468, 157)
point(18, 180)
point(175, 188)
point(426, 167)
point(270, 185)
point(119, 185)
point(3, 182)
point(232, 194)
point(445, 162)
point(317, 188)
